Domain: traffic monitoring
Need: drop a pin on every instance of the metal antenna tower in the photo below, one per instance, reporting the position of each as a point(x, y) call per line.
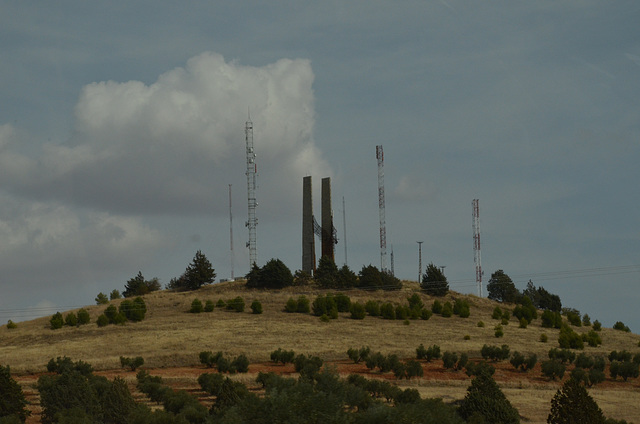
point(252, 170)
point(393, 272)
point(231, 233)
point(344, 227)
point(419, 261)
point(383, 229)
point(476, 244)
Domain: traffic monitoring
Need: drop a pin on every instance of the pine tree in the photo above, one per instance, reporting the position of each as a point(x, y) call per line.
point(572, 404)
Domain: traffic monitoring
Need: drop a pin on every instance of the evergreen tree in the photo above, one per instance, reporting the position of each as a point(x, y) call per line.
point(485, 399)
point(326, 274)
point(12, 400)
point(370, 278)
point(434, 282)
point(572, 404)
point(501, 288)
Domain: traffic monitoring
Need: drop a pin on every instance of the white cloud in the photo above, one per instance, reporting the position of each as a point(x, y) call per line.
point(172, 147)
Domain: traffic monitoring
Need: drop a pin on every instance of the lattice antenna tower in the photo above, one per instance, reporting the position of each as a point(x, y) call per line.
point(383, 229)
point(476, 244)
point(231, 233)
point(252, 171)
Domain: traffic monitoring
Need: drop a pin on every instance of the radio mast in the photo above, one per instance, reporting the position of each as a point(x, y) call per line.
point(476, 244)
point(231, 233)
point(383, 229)
point(252, 171)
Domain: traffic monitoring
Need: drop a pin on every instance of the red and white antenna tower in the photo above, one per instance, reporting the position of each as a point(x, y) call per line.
point(476, 244)
point(383, 229)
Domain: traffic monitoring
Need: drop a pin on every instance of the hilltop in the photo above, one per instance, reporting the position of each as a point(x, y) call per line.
point(170, 338)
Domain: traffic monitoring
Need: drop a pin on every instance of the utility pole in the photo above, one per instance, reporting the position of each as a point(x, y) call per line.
point(476, 244)
point(383, 227)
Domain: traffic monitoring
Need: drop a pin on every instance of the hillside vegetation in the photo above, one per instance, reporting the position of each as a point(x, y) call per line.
point(171, 337)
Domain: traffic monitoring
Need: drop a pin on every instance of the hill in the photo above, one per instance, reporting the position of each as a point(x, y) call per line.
point(170, 338)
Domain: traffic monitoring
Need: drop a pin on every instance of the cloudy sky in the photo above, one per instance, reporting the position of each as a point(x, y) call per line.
point(122, 126)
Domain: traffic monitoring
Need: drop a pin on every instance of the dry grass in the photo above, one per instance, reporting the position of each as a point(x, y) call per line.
point(172, 337)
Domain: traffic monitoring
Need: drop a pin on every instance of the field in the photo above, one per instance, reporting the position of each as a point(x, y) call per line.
point(170, 338)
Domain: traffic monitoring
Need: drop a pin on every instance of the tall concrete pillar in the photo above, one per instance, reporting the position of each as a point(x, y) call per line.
point(327, 220)
point(308, 239)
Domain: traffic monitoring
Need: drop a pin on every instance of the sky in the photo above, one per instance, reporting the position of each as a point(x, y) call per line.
point(122, 129)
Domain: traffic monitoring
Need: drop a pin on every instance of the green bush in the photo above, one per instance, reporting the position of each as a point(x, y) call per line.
point(498, 332)
point(291, 306)
point(569, 338)
point(56, 321)
point(553, 369)
point(480, 324)
point(343, 302)
point(387, 311)
point(523, 322)
point(131, 363)
point(240, 364)
point(449, 359)
point(358, 355)
point(586, 320)
point(325, 305)
point(208, 358)
point(497, 313)
point(551, 319)
point(196, 306)
point(461, 308)
point(415, 301)
point(574, 318)
point(221, 303)
point(486, 403)
point(467, 337)
point(522, 363)
point(209, 306)
point(592, 338)
point(83, 317)
point(256, 307)
point(11, 325)
point(102, 320)
point(447, 310)
point(71, 319)
point(433, 352)
point(425, 314)
point(236, 304)
point(303, 305)
point(619, 325)
point(544, 338)
point(413, 369)
point(495, 353)
point(402, 312)
point(562, 355)
point(358, 311)
point(436, 308)
point(283, 356)
point(624, 369)
point(115, 294)
point(597, 326)
point(307, 366)
point(111, 312)
point(372, 307)
point(473, 368)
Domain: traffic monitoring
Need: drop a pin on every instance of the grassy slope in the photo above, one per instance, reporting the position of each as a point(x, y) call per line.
point(171, 337)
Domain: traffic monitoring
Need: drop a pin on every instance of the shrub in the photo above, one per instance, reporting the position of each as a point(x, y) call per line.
point(209, 306)
point(495, 353)
point(11, 325)
point(111, 313)
point(498, 332)
point(343, 302)
point(56, 321)
point(221, 303)
point(358, 355)
point(402, 312)
point(120, 319)
point(436, 308)
point(425, 314)
point(586, 320)
point(597, 326)
point(256, 307)
point(325, 305)
point(449, 359)
point(283, 356)
point(551, 319)
point(413, 369)
point(303, 305)
point(480, 324)
point(569, 338)
point(208, 358)
point(624, 369)
point(83, 317)
point(131, 363)
point(372, 307)
point(236, 304)
point(467, 337)
point(71, 319)
point(307, 366)
point(574, 318)
point(497, 313)
point(102, 320)
point(461, 308)
point(473, 368)
point(240, 364)
point(196, 306)
point(592, 338)
point(563, 355)
point(523, 364)
point(415, 301)
point(523, 322)
point(115, 294)
point(619, 325)
point(358, 311)
point(291, 306)
point(447, 310)
point(544, 338)
point(553, 369)
point(387, 311)
point(325, 318)
point(432, 352)
point(462, 362)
